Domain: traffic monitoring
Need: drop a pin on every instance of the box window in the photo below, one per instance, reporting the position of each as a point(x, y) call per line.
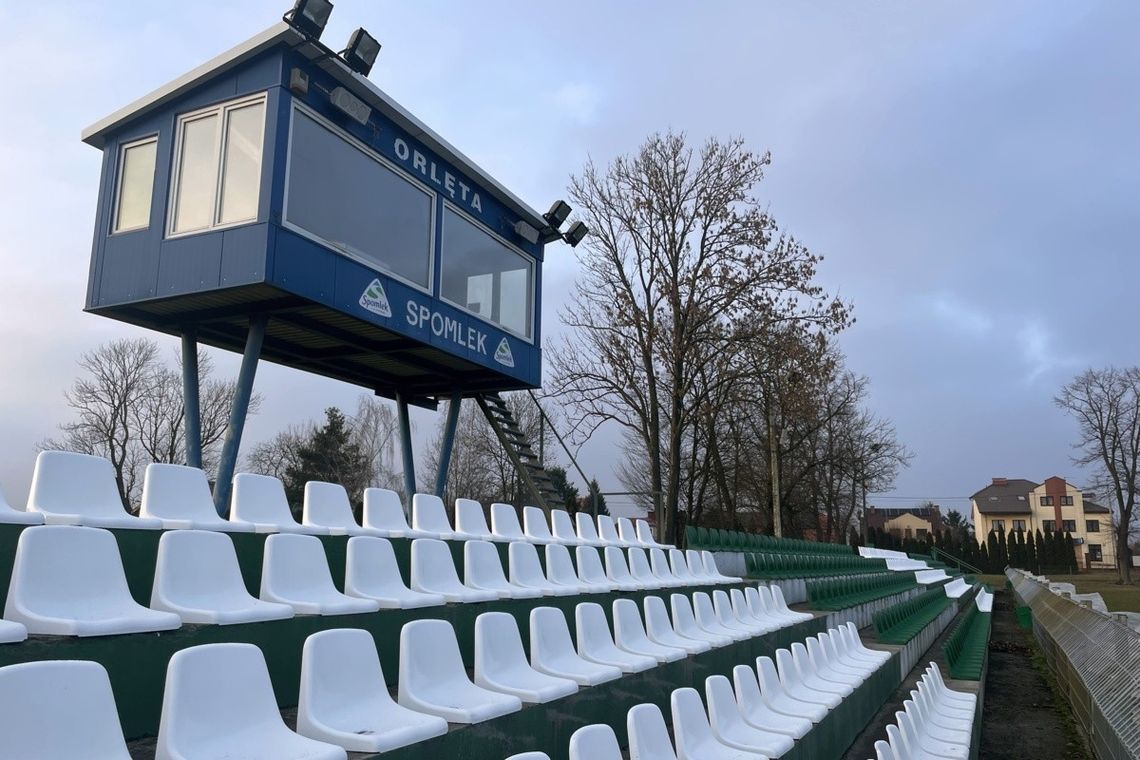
point(1066, 501)
point(1048, 526)
point(998, 525)
point(1095, 553)
point(136, 185)
point(1019, 525)
point(1046, 501)
point(1069, 525)
point(1092, 526)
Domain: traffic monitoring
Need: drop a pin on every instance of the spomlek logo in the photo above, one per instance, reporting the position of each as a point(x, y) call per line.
point(375, 300)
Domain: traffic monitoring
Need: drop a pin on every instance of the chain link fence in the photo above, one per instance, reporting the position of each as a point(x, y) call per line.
point(1096, 662)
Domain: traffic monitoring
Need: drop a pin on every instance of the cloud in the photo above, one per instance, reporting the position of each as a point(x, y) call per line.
point(959, 315)
point(1040, 354)
point(580, 101)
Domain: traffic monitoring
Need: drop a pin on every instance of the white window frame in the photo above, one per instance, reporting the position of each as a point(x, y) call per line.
point(222, 111)
point(462, 307)
point(119, 184)
point(370, 153)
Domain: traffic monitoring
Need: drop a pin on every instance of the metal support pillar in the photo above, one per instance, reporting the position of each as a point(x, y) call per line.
point(406, 446)
point(192, 419)
point(453, 407)
point(238, 411)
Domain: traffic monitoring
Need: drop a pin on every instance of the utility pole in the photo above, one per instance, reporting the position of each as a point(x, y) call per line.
point(774, 472)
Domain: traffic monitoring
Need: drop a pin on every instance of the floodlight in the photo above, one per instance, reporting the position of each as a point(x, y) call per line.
point(310, 16)
point(361, 52)
point(574, 235)
point(558, 213)
point(526, 231)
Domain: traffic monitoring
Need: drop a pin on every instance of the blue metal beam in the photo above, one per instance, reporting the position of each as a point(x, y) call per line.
point(192, 420)
point(453, 407)
point(406, 445)
point(242, 395)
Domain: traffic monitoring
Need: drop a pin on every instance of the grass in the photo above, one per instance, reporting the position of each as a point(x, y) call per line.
point(1117, 597)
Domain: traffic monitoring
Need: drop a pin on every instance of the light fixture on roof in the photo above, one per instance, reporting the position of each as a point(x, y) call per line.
point(309, 17)
point(574, 235)
point(527, 232)
point(559, 212)
point(361, 52)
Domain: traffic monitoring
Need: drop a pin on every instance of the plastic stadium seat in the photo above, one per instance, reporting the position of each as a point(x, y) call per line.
point(729, 727)
point(944, 693)
point(648, 737)
point(681, 569)
point(618, 571)
point(744, 612)
point(646, 535)
point(470, 522)
point(587, 530)
point(260, 499)
point(956, 588)
point(713, 572)
point(218, 704)
point(930, 576)
point(294, 571)
point(59, 709)
point(69, 581)
point(198, 578)
point(792, 679)
point(660, 630)
point(797, 702)
point(597, 645)
point(326, 505)
point(525, 570)
point(79, 489)
point(937, 724)
point(552, 651)
point(782, 606)
point(482, 569)
point(560, 570)
point(530, 756)
point(429, 515)
point(726, 615)
point(9, 514)
point(659, 563)
point(371, 572)
point(884, 751)
point(630, 636)
point(840, 658)
point(693, 734)
point(12, 632)
point(641, 571)
point(535, 526)
point(501, 663)
point(856, 644)
point(433, 679)
point(562, 527)
point(697, 567)
point(608, 532)
point(923, 744)
point(180, 497)
point(344, 699)
point(433, 572)
point(762, 612)
point(685, 623)
point(505, 524)
point(590, 570)
point(706, 616)
point(811, 677)
point(384, 514)
point(628, 533)
point(985, 601)
point(596, 742)
point(757, 711)
point(828, 668)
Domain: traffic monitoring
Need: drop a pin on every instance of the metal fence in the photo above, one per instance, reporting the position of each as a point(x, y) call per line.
point(1096, 662)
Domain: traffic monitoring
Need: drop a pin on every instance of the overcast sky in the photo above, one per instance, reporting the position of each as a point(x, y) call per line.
point(970, 171)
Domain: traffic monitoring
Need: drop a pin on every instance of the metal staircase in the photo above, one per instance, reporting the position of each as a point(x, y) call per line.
point(527, 463)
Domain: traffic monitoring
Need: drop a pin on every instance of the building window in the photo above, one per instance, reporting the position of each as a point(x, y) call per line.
point(998, 525)
point(217, 166)
point(1066, 501)
point(136, 185)
point(1095, 553)
point(485, 276)
point(1069, 525)
point(1048, 526)
point(1019, 525)
point(1046, 501)
point(920, 532)
point(1092, 526)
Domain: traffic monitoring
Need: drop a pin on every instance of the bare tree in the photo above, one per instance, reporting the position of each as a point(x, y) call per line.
point(1106, 405)
point(375, 429)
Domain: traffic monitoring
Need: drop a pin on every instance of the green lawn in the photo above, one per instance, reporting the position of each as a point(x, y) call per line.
point(1116, 597)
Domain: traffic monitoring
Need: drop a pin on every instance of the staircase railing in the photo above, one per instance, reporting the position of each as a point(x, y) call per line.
point(942, 554)
point(573, 460)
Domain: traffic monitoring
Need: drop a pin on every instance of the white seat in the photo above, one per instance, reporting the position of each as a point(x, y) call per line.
point(985, 601)
point(640, 570)
point(470, 522)
point(219, 704)
point(198, 578)
point(782, 606)
point(761, 597)
point(938, 727)
point(260, 499)
point(9, 514)
point(371, 572)
point(529, 756)
point(505, 523)
point(955, 588)
point(646, 536)
point(587, 530)
point(628, 534)
point(713, 571)
point(944, 692)
point(429, 515)
point(659, 564)
point(831, 643)
point(884, 751)
point(697, 567)
point(761, 612)
point(743, 611)
point(681, 568)
point(726, 615)
point(839, 641)
point(56, 709)
point(618, 571)
point(814, 677)
point(756, 710)
point(608, 532)
point(792, 681)
point(525, 571)
point(729, 727)
point(327, 506)
point(79, 489)
point(648, 737)
point(12, 632)
point(433, 679)
point(597, 645)
point(919, 739)
point(535, 526)
point(797, 703)
point(69, 581)
point(855, 643)
point(660, 630)
point(344, 698)
point(501, 663)
point(629, 634)
point(384, 514)
point(294, 571)
point(482, 569)
point(562, 527)
point(596, 742)
point(685, 623)
point(552, 651)
point(955, 716)
point(590, 570)
point(829, 669)
point(180, 497)
point(693, 734)
point(706, 616)
point(433, 572)
point(926, 577)
point(560, 570)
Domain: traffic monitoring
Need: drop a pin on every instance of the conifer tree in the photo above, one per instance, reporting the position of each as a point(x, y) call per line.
point(1071, 553)
point(984, 558)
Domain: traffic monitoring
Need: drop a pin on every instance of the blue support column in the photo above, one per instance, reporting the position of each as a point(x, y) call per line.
point(406, 446)
point(238, 412)
point(192, 420)
point(453, 407)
